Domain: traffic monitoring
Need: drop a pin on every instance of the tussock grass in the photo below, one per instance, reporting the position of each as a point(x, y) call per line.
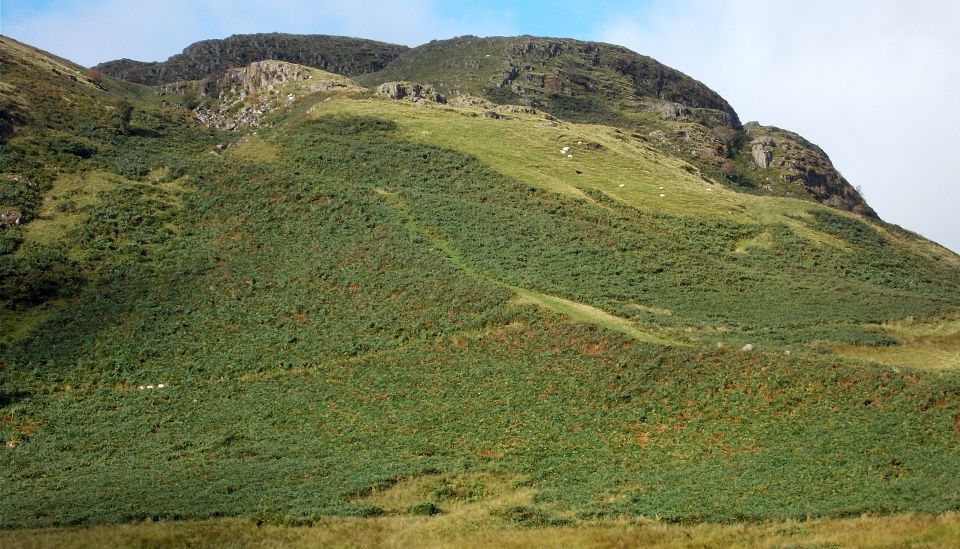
point(924, 345)
point(935, 532)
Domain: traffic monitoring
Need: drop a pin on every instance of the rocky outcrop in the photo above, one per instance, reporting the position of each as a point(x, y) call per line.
point(336, 54)
point(535, 71)
point(411, 91)
point(783, 158)
point(596, 83)
point(10, 217)
point(269, 76)
point(761, 153)
point(241, 97)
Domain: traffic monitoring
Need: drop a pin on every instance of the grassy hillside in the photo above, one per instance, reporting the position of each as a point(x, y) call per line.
point(585, 79)
point(590, 82)
point(374, 307)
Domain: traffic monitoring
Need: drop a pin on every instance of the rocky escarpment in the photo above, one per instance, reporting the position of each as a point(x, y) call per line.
point(784, 161)
point(241, 97)
point(571, 78)
point(606, 84)
point(337, 54)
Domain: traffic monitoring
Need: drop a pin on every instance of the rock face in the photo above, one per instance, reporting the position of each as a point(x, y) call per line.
point(572, 80)
point(243, 96)
point(605, 84)
point(760, 150)
point(785, 159)
point(271, 75)
point(336, 54)
point(552, 74)
point(409, 90)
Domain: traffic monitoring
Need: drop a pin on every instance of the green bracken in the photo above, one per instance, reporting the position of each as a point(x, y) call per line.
point(327, 310)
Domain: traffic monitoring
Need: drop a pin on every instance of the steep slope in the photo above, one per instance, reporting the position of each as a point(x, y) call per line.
point(369, 294)
point(62, 122)
point(240, 97)
point(778, 160)
point(337, 54)
point(605, 84)
point(583, 81)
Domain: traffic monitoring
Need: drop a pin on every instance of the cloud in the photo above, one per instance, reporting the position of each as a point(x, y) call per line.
point(874, 83)
point(90, 32)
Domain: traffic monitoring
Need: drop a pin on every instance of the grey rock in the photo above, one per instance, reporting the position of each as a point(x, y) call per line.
point(393, 90)
point(411, 91)
point(10, 217)
point(762, 156)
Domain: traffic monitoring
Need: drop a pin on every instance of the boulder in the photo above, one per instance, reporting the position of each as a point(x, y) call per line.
point(762, 155)
point(10, 217)
point(411, 91)
point(393, 90)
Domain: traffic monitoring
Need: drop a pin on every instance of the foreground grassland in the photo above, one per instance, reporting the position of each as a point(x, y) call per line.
point(351, 320)
point(865, 532)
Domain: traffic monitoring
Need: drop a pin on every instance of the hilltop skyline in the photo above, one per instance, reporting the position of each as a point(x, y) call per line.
point(818, 68)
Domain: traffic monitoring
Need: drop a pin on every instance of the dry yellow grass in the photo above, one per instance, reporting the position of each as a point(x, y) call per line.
point(586, 313)
point(896, 531)
point(475, 520)
point(929, 345)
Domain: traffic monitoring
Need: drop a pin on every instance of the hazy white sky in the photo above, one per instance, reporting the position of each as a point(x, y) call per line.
point(873, 82)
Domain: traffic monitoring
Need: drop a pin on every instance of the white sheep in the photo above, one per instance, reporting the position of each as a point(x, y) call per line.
point(622, 185)
point(569, 156)
point(662, 195)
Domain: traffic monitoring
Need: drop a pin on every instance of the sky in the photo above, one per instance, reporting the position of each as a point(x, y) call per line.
point(873, 82)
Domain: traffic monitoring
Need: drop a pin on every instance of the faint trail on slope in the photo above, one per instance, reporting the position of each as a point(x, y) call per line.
point(580, 312)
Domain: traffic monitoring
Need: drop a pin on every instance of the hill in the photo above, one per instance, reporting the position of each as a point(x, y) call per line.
point(338, 54)
point(376, 303)
point(598, 83)
point(586, 82)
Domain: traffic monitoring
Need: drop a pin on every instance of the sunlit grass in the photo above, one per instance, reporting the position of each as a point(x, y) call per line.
point(925, 345)
point(931, 531)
